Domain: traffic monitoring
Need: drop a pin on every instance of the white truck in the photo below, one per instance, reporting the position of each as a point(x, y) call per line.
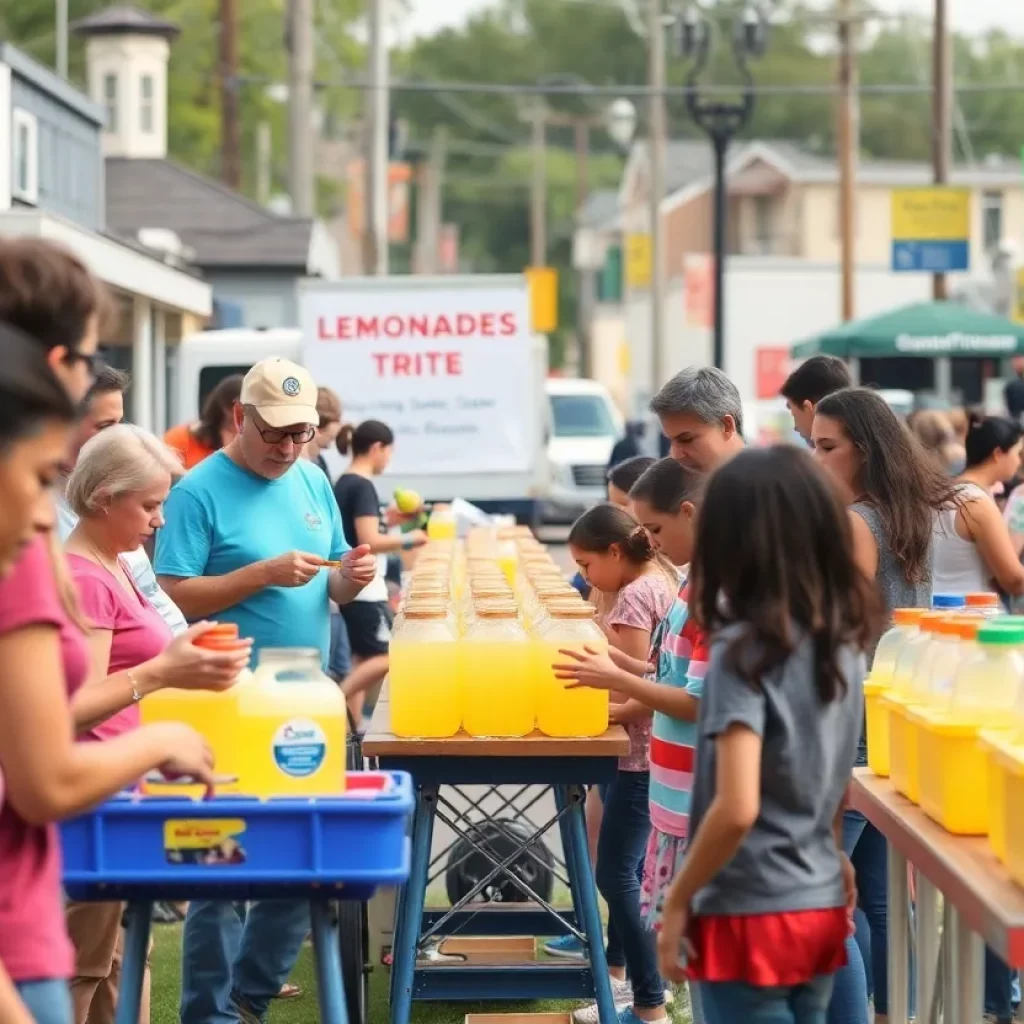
point(449, 363)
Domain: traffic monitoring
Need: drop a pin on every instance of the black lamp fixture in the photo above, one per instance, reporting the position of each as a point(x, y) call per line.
point(722, 120)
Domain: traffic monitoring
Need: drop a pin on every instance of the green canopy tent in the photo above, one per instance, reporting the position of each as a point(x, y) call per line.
point(926, 329)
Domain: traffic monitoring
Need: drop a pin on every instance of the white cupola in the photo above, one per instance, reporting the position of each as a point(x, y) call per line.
point(127, 51)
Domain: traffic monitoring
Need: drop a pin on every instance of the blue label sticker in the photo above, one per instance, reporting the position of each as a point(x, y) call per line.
point(300, 746)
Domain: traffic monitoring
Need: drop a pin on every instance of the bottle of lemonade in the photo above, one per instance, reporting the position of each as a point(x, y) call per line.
point(423, 675)
point(508, 554)
point(441, 525)
point(497, 690)
point(213, 714)
point(291, 727)
point(986, 683)
point(562, 712)
point(904, 626)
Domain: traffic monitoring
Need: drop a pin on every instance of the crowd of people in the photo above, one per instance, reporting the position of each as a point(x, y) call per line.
point(738, 677)
point(742, 592)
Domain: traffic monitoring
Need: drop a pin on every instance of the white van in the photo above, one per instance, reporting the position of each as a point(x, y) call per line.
point(585, 424)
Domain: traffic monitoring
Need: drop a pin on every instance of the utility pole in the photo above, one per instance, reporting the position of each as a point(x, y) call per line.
point(300, 107)
point(375, 249)
point(264, 157)
point(656, 182)
point(431, 203)
point(62, 37)
point(848, 135)
point(538, 186)
point(230, 130)
point(942, 107)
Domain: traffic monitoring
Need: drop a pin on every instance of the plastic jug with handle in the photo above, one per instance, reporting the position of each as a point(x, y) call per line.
point(213, 714)
point(498, 692)
point(291, 727)
point(423, 676)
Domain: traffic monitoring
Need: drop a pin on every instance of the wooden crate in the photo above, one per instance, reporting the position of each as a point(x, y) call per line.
point(485, 949)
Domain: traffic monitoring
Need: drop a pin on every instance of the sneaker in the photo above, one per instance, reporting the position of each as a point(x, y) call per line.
point(627, 1016)
point(622, 996)
point(568, 947)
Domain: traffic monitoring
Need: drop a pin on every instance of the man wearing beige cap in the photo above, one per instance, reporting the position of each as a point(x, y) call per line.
point(249, 536)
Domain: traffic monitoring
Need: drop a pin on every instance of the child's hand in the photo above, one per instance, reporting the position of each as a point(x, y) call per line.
point(850, 889)
point(590, 667)
point(674, 947)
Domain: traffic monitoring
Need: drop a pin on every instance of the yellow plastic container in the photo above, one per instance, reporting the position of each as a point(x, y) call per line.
point(423, 675)
point(953, 774)
point(904, 760)
point(498, 692)
point(291, 728)
point(1011, 759)
point(562, 712)
point(993, 743)
point(441, 525)
point(876, 715)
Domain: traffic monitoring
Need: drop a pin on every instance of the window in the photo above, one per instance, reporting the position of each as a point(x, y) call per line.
point(26, 156)
point(146, 104)
point(764, 223)
point(110, 100)
point(581, 416)
point(991, 219)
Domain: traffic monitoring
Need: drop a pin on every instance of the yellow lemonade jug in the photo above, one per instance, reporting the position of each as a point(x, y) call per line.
point(291, 727)
point(496, 685)
point(441, 525)
point(213, 714)
point(423, 675)
point(563, 712)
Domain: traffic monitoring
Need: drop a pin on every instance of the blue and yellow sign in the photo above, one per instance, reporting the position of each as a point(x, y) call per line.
point(931, 229)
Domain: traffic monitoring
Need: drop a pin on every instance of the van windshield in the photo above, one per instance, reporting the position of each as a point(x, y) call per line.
point(581, 416)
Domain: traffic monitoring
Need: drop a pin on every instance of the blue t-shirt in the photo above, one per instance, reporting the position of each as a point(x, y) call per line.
point(221, 517)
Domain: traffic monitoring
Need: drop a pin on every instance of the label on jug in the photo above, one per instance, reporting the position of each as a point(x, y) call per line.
point(300, 746)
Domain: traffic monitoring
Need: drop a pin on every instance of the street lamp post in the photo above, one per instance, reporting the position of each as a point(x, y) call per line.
point(721, 121)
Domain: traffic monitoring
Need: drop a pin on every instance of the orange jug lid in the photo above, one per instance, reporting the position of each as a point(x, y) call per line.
point(907, 616)
point(222, 630)
point(981, 600)
point(929, 621)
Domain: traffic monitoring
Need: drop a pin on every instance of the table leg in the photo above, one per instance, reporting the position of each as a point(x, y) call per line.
point(136, 945)
point(409, 920)
point(967, 957)
point(327, 962)
point(928, 932)
point(899, 938)
point(581, 880)
point(561, 802)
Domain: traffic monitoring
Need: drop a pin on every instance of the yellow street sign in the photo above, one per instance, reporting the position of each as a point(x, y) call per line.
point(543, 283)
point(638, 261)
point(1018, 297)
point(931, 214)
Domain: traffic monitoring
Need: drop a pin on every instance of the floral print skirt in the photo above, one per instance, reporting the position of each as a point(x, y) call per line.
point(662, 862)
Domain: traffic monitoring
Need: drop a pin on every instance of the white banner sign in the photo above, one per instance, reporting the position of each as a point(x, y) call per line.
point(447, 367)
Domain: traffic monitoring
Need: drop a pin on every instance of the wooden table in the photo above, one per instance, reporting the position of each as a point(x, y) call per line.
point(981, 905)
point(568, 766)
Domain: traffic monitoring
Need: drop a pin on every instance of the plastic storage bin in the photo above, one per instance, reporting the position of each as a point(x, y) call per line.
point(152, 847)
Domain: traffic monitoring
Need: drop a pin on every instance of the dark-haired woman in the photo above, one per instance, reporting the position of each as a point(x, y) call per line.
point(368, 618)
point(215, 428)
point(972, 543)
point(617, 558)
point(761, 908)
point(894, 491)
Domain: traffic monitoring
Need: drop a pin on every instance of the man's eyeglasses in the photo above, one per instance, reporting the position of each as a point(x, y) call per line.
point(272, 436)
point(91, 360)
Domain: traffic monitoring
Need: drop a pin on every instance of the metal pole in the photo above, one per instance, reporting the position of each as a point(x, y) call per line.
point(377, 179)
point(942, 105)
point(300, 108)
point(264, 146)
point(62, 38)
point(538, 188)
point(847, 137)
point(583, 308)
point(720, 141)
point(899, 938)
point(658, 132)
point(430, 204)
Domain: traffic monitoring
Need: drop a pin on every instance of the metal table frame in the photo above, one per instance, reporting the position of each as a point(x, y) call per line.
point(566, 766)
point(964, 900)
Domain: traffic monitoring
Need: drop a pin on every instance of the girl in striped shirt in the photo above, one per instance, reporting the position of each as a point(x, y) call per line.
point(664, 500)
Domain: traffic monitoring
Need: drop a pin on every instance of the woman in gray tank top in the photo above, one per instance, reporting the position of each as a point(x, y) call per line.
point(894, 492)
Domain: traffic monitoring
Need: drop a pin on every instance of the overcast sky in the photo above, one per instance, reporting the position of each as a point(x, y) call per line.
point(967, 15)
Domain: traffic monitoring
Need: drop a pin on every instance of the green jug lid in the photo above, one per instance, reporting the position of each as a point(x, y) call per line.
point(1001, 633)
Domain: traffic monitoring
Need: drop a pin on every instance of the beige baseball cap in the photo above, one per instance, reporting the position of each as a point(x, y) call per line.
point(282, 392)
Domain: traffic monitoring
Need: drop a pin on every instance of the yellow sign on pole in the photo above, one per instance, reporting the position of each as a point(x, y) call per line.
point(638, 261)
point(543, 283)
point(1018, 297)
point(931, 229)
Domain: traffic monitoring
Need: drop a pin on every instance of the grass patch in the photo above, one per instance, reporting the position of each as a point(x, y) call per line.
point(167, 981)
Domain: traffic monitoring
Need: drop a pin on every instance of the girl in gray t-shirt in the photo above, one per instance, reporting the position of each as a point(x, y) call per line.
point(762, 907)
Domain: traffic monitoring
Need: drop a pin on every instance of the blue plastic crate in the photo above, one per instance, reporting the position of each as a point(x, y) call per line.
point(236, 847)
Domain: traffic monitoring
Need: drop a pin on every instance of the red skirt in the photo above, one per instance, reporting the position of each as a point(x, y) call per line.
point(769, 950)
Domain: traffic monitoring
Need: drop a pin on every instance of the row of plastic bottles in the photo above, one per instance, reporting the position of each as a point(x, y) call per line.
point(475, 640)
point(278, 731)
